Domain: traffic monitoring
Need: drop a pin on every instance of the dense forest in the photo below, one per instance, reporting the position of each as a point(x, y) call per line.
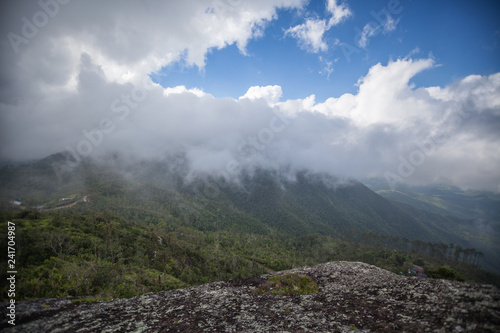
point(88, 254)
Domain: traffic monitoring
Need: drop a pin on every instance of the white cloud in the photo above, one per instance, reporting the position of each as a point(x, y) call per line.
point(183, 89)
point(390, 24)
point(310, 35)
point(384, 96)
point(327, 67)
point(130, 40)
point(351, 135)
point(455, 128)
point(368, 31)
point(271, 94)
point(339, 12)
point(292, 107)
point(374, 28)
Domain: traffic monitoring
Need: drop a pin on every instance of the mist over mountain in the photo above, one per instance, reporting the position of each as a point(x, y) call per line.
point(221, 136)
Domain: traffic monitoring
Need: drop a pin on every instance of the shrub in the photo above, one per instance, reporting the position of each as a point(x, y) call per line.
point(288, 284)
point(445, 272)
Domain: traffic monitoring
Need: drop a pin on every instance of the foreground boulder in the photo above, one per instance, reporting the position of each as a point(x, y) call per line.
point(351, 297)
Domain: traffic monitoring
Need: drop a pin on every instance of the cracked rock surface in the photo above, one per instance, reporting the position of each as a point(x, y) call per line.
point(352, 297)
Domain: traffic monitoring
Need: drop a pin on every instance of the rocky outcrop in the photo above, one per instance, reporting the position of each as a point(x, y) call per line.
point(352, 297)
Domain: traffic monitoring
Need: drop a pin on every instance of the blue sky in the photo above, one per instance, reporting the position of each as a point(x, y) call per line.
point(462, 36)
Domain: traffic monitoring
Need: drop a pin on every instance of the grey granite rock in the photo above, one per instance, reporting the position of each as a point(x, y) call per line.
point(352, 297)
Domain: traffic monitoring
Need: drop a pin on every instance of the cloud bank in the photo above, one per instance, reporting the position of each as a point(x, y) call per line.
point(82, 86)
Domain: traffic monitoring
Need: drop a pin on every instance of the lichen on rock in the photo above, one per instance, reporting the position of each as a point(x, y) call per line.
point(350, 297)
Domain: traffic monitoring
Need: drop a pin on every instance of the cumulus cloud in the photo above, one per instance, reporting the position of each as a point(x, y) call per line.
point(128, 40)
point(430, 134)
point(74, 89)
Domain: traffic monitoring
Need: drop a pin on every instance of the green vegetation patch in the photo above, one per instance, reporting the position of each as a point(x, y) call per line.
point(288, 284)
point(445, 272)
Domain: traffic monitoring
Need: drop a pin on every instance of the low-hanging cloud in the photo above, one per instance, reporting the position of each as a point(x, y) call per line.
point(73, 89)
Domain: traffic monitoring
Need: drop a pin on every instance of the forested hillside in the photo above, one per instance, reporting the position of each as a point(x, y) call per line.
point(115, 229)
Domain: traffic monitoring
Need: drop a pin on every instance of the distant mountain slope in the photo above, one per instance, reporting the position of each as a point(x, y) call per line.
point(443, 199)
point(317, 203)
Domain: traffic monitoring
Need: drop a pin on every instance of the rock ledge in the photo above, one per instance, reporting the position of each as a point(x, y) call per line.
point(352, 297)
